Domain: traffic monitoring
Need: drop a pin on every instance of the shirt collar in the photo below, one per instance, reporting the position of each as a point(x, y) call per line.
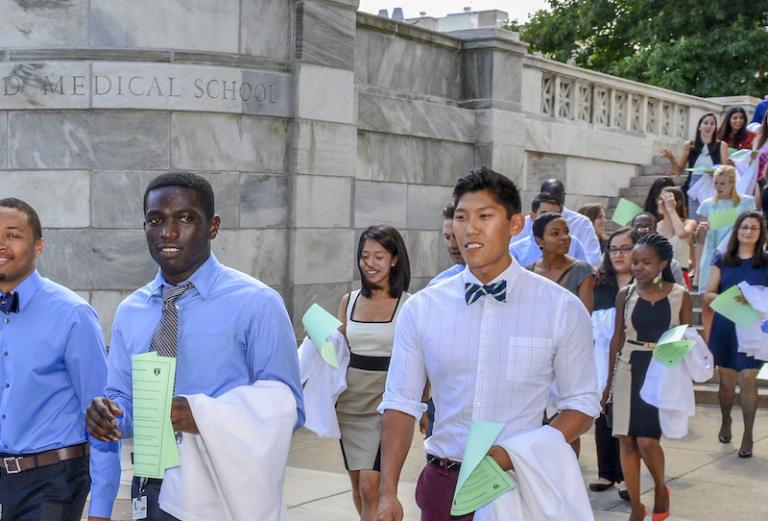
point(28, 288)
point(203, 279)
point(510, 275)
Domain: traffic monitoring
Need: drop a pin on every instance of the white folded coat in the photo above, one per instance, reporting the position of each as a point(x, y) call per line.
point(234, 469)
point(549, 482)
point(753, 340)
point(322, 384)
point(670, 389)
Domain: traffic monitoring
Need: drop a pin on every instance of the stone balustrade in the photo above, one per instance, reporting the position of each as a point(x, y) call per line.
point(568, 93)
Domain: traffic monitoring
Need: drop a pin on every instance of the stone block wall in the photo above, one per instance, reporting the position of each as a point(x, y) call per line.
point(312, 122)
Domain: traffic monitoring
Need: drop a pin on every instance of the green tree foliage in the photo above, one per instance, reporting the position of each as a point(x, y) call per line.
point(703, 47)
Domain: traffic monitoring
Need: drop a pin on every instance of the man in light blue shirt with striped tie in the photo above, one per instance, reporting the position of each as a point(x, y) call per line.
point(225, 328)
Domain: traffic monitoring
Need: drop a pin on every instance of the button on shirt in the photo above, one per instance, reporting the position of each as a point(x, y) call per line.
point(52, 364)
point(491, 360)
point(580, 227)
point(233, 331)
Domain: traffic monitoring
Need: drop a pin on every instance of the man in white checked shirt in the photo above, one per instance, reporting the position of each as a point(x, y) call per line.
point(491, 340)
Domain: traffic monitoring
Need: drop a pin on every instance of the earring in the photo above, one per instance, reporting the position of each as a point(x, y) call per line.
point(657, 280)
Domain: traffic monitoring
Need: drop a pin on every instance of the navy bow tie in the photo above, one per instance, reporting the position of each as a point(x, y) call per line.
point(473, 292)
point(9, 302)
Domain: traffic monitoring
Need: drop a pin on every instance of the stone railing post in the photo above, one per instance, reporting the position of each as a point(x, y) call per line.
point(493, 85)
point(322, 155)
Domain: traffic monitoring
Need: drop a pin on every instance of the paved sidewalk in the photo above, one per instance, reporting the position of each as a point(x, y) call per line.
point(708, 481)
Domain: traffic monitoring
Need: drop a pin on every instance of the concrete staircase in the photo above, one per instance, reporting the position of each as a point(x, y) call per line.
point(639, 185)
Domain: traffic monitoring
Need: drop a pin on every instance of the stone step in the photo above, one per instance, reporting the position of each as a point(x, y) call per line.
point(661, 161)
point(647, 170)
point(707, 394)
point(634, 192)
point(647, 180)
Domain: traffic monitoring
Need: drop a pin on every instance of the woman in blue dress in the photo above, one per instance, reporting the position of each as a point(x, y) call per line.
point(745, 260)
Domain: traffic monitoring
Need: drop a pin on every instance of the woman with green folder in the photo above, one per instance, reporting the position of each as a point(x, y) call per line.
point(645, 310)
point(745, 260)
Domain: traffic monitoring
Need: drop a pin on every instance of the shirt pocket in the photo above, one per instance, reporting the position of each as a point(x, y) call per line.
point(530, 359)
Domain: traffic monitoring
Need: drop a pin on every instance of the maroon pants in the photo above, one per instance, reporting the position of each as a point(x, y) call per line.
point(434, 494)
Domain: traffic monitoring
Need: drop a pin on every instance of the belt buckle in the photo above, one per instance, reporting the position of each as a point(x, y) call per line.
point(16, 461)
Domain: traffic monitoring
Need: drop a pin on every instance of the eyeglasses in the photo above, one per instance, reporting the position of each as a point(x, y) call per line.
point(622, 250)
point(749, 228)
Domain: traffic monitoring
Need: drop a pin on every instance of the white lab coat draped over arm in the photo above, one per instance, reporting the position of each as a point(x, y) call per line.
point(753, 340)
point(549, 482)
point(603, 322)
point(670, 389)
point(234, 469)
point(322, 384)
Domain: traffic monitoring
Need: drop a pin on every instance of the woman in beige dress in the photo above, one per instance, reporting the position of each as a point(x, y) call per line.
point(368, 316)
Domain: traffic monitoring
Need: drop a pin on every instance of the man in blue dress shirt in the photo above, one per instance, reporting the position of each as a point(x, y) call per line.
point(449, 241)
point(232, 329)
point(52, 364)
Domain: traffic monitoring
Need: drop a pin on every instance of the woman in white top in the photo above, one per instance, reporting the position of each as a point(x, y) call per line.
point(676, 227)
point(368, 316)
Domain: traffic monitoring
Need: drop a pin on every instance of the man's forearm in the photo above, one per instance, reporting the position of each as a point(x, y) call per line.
point(396, 437)
point(572, 424)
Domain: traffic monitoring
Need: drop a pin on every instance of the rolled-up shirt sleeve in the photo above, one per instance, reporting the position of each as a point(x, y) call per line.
point(575, 373)
point(407, 372)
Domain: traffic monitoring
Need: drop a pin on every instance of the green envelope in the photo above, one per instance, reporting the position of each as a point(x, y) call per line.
point(319, 325)
point(704, 169)
point(154, 442)
point(625, 211)
point(723, 218)
point(726, 304)
point(671, 347)
point(738, 154)
point(481, 480)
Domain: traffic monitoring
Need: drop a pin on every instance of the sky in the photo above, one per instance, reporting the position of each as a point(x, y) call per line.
point(519, 9)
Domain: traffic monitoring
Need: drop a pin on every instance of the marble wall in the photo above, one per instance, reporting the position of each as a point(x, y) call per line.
point(311, 121)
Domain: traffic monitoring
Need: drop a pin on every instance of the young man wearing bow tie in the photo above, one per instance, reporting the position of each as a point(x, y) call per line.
point(491, 341)
point(52, 363)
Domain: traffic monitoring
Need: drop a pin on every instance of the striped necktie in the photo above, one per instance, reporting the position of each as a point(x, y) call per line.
point(166, 333)
point(473, 292)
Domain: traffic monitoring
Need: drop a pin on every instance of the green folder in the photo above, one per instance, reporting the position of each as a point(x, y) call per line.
point(703, 169)
point(738, 154)
point(154, 442)
point(625, 212)
point(672, 346)
point(319, 325)
point(723, 218)
point(726, 304)
point(481, 480)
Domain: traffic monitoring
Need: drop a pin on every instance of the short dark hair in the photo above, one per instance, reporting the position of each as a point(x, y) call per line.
point(759, 257)
point(544, 197)
point(500, 187)
point(391, 240)
point(185, 180)
point(23, 207)
point(554, 187)
point(663, 249)
point(542, 221)
point(449, 210)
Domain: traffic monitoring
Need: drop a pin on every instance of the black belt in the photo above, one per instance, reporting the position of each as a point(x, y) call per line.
point(444, 463)
point(10, 464)
point(369, 363)
point(644, 344)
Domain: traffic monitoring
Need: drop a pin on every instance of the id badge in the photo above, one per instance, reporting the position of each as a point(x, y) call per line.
point(140, 508)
